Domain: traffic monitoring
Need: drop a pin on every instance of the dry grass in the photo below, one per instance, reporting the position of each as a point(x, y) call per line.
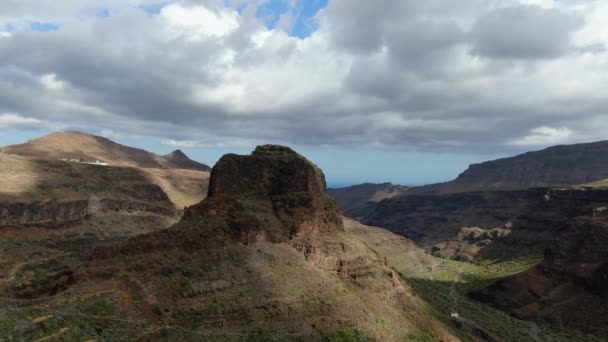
point(80, 145)
point(17, 174)
point(184, 187)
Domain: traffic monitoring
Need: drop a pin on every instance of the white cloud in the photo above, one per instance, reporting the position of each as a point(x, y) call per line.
point(543, 136)
point(50, 82)
point(229, 143)
point(11, 120)
point(198, 22)
point(399, 74)
point(182, 143)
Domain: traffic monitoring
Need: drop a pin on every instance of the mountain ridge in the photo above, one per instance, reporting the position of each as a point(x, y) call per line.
point(79, 145)
point(554, 166)
point(264, 257)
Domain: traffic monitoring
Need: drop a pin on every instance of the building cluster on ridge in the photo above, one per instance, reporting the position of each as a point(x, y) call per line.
point(82, 161)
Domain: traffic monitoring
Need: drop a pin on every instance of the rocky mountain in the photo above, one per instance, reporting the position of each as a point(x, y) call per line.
point(285, 193)
point(185, 181)
point(555, 166)
point(60, 212)
point(264, 257)
point(179, 160)
point(358, 201)
point(490, 197)
point(569, 287)
point(488, 224)
point(78, 145)
point(57, 212)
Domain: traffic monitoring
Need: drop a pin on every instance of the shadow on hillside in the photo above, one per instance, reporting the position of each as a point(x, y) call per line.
point(481, 320)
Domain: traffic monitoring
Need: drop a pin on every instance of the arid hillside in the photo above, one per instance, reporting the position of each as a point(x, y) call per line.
point(78, 145)
point(183, 180)
point(53, 214)
point(264, 257)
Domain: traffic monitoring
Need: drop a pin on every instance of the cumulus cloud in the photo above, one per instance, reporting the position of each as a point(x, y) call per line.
point(195, 143)
point(430, 75)
point(544, 135)
point(50, 82)
point(16, 121)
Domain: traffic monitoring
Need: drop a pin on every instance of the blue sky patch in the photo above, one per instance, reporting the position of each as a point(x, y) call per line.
point(43, 27)
point(104, 13)
point(304, 12)
point(306, 25)
point(154, 9)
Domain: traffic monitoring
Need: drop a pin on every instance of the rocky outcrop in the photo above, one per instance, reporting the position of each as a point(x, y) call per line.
point(273, 194)
point(55, 211)
point(534, 217)
point(569, 287)
point(469, 242)
point(429, 218)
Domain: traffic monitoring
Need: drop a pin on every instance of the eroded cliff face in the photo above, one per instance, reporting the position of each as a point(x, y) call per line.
point(533, 217)
point(272, 194)
point(568, 288)
point(41, 212)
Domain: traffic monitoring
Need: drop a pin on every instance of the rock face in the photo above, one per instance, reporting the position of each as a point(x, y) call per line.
point(273, 194)
point(16, 214)
point(534, 218)
point(568, 288)
point(555, 166)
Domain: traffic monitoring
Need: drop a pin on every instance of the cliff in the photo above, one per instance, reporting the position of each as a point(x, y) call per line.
point(568, 288)
point(274, 194)
point(533, 217)
point(555, 166)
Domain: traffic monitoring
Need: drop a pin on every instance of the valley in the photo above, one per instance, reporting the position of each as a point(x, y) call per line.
point(257, 250)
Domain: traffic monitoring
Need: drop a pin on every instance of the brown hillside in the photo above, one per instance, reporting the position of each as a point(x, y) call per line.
point(264, 257)
point(77, 145)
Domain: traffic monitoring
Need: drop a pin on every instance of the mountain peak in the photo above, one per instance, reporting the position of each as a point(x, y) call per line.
point(180, 160)
point(81, 145)
point(273, 193)
point(176, 153)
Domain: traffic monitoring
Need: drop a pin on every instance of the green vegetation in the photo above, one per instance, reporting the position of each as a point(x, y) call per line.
point(345, 336)
point(448, 288)
point(100, 308)
point(445, 285)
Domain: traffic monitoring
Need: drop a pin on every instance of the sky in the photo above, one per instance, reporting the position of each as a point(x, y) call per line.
point(405, 91)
